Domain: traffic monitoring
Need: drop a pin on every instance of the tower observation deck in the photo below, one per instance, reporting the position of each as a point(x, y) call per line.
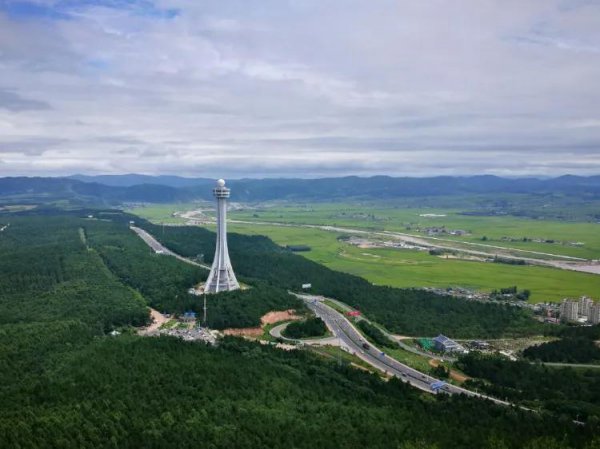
point(221, 277)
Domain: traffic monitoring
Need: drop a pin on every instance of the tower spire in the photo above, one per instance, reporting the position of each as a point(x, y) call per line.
point(221, 277)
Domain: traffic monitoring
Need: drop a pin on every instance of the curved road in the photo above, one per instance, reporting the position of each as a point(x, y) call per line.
point(276, 332)
point(351, 338)
point(348, 336)
point(393, 337)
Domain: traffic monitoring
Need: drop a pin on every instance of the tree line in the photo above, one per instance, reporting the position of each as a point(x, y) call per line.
point(577, 344)
point(307, 328)
point(571, 393)
point(406, 311)
point(65, 383)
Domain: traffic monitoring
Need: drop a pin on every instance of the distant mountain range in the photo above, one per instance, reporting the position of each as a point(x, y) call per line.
point(135, 179)
point(160, 189)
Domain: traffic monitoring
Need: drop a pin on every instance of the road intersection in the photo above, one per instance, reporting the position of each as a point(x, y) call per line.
point(349, 337)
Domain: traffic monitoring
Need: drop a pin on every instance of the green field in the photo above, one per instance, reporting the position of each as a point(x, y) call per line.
point(566, 235)
point(409, 268)
point(575, 239)
point(163, 213)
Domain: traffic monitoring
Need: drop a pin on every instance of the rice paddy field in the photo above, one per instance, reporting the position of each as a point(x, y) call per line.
point(163, 213)
point(569, 238)
point(412, 268)
point(409, 268)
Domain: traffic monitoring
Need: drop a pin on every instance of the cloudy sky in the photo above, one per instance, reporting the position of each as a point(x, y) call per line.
point(299, 87)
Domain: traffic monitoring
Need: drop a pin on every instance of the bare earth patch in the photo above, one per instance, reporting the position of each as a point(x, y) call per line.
point(244, 332)
point(276, 317)
point(268, 318)
point(453, 374)
point(158, 319)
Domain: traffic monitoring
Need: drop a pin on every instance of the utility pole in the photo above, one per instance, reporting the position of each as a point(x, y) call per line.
point(204, 318)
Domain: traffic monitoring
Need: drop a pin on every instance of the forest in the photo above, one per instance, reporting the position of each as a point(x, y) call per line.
point(164, 281)
point(47, 273)
point(564, 391)
point(404, 311)
point(65, 382)
point(577, 344)
point(310, 327)
point(568, 350)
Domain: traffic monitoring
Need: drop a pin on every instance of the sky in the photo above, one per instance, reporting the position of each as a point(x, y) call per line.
point(300, 88)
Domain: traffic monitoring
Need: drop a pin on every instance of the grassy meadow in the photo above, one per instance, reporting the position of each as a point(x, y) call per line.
point(374, 216)
point(409, 268)
point(163, 213)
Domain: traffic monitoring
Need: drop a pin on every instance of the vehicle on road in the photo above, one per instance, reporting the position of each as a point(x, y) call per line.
point(438, 385)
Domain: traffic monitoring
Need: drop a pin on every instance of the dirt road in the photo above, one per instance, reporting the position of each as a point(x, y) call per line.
point(158, 319)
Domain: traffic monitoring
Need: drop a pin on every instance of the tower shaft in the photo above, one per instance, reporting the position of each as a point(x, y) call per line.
point(221, 277)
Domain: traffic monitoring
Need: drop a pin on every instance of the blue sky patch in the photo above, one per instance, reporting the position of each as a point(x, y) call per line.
point(63, 9)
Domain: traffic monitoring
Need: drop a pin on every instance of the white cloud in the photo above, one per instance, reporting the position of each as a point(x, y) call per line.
point(301, 88)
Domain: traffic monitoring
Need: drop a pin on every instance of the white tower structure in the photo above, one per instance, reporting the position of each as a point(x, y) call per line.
point(221, 277)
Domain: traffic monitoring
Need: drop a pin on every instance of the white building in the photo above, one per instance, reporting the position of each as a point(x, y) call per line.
point(569, 310)
point(594, 315)
point(585, 304)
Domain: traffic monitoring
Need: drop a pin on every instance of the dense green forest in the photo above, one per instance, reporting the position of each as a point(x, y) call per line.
point(577, 344)
point(243, 308)
point(565, 391)
point(164, 281)
point(48, 273)
point(49, 261)
point(132, 392)
point(589, 332)
point(406, 311)
point(65, 383)
point(568, 350)
point(310, 327)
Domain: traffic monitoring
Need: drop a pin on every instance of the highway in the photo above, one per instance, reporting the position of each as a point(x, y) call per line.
point(347, 334)
point(160, 249)
point(352, 339)
point(395, 338)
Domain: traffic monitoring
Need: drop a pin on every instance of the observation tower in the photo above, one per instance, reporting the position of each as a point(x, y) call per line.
point(221, 277)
